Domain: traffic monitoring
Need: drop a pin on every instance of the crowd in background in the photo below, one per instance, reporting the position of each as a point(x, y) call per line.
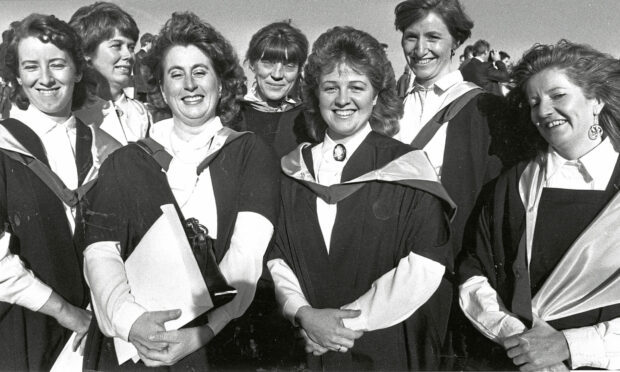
point(341, 217)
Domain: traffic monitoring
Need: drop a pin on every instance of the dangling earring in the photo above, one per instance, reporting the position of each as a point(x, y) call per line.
point(595, 130)
point(452, 53)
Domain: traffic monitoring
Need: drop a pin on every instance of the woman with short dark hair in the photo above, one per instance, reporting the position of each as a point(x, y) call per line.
point(224, 180)
point(272, 108)
point(363, 223)
point(540, 275)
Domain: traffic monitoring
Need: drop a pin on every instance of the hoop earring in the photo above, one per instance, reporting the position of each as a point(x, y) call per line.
point(595, 130)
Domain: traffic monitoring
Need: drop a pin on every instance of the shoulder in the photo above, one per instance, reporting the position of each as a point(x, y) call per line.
point(128, 161)
point(387, 145)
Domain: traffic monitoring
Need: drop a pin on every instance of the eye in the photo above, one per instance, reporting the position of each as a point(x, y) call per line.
point(30, 67)
point(558, 96)
point(329, 89)
point(58, 65)
point(176, 74)
point(358, 88)
point(200, 72)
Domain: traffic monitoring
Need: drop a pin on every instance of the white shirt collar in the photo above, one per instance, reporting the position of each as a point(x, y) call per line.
point(38, 121)
point(163, 132)
point(440, 86)
point(595, 165)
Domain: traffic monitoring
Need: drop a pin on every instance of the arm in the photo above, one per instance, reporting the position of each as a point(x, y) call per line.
point(483, 307)
point(397, 294)
point(595, 346)
point(499, 74)
point(242, 266)
point(288, 290)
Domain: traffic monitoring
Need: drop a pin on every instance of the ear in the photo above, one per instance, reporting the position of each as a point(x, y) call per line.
point(374, 101)
point(19, 80)
point(598, 106)
point(78, 77)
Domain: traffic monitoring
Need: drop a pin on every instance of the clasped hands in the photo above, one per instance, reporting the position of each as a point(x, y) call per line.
point(541, 348)
point(158, 347)
point(323, 329)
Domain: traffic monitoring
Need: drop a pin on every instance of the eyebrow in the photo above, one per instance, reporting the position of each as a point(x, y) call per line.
point(193, 67)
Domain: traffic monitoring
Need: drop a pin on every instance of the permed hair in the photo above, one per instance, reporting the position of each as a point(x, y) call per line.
point(278, 41)
point(451, 11)
point(99, 22)
point(185, 28)
point(596, 73)
point(48, 29)
point(363, 53)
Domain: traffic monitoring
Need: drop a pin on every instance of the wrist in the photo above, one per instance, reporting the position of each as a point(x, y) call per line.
point(301, 313)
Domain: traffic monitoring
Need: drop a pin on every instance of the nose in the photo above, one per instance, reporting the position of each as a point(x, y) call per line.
point(189, 83)
point(126, 53)
point(277, 72)
point(420, 47)
point(46, 78)
point(343, 98)
point(544, 109)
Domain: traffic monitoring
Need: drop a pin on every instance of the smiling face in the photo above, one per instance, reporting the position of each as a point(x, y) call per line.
point(346, 100)
point(190, 85)
point(428, 46)
point(275, 79)
point(563, 113)
point(114, 59)
point(47, 76)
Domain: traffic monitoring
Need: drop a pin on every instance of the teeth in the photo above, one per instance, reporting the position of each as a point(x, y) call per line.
point(344, 113)
point(555, 123)
point(424, 61)
point(48, 92)
point(192, 99)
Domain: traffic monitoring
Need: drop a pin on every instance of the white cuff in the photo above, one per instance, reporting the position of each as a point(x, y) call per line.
point(586, 347)
point(218, 319)
point(34, 296)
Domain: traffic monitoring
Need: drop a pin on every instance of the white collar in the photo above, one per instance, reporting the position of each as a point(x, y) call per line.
point(595, 163)
point(38, 121)
point(442, 85)
point(163, 132)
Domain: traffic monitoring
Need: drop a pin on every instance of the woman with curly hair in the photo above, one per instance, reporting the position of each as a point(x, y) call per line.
point(48, 157)
point(361, 243)
point(226, 180)
point(540, 277)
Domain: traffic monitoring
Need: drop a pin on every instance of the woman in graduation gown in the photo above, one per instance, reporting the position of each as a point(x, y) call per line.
point(272, 108)
point(362, 239)
point(234, 198)
point(450, 119)
point(109, 36)
point(540, 277)
point(45, 154)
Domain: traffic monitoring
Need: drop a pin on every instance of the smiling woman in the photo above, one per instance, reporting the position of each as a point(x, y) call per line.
point(42, 293)
point(109, 36)
point(353, 246)
point(225, 181)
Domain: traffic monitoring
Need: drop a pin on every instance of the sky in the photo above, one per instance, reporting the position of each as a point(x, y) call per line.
point(509, 25)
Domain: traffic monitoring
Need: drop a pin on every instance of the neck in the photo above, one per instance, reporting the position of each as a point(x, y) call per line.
point(481, 58)
point(115, 93)
point(187, 132)
point(576, 152)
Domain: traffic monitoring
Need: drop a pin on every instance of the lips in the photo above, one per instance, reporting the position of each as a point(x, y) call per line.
point(48, 91)
point(192, 100)
point(123, 69)
point(422, 61)
point(344, 114)
point(553, 123)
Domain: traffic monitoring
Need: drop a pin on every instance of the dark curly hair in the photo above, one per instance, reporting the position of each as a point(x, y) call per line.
point(48, 29)
point(99, 22)
point(185, 28)
point(364, 54)
point(451, 11)
point(596, 73)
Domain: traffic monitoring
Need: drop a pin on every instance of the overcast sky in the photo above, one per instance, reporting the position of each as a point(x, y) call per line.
point(510, 25)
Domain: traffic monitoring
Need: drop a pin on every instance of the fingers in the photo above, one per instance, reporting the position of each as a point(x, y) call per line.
point(165, 316)
point(516, 351)
point(348, 333)
point(511, 342)
point(153, 355)
point(82, 346)
point(165, 337)
point(348, 313)
point(80, 338)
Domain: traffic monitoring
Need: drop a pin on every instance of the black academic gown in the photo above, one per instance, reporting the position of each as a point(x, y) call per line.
point(492, 248)
point(375, 227)
point(42, 237)
point(126, 201)
point(283, 131)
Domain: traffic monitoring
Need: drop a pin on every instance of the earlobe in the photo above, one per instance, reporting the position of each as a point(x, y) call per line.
point(374, 101)
point(19, 80)
point(163, 96)
point(598, 106)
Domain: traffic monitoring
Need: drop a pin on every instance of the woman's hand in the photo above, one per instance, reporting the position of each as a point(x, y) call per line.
point(71, 317)
point(147, 325)
point(310, 346)
point(180, 343)
point(325, 327)
point(538, 348)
